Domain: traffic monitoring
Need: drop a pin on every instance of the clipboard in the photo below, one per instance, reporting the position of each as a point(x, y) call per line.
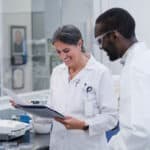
point(38, 110)
point(41, 110)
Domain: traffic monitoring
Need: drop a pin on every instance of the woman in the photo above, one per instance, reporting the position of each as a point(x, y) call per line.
point(81, 89)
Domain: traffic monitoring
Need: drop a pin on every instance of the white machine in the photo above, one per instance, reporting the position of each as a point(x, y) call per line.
point(10, 129)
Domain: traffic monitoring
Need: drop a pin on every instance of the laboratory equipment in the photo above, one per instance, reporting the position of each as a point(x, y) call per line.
point(11, 129)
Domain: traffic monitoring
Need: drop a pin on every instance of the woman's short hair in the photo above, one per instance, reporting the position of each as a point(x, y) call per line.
point(68, 34)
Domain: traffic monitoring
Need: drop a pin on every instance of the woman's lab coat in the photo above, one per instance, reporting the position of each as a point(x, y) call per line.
point(134, 101)
point(88, 96)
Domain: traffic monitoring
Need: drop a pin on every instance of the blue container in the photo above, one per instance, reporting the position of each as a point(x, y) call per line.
point(25, 118)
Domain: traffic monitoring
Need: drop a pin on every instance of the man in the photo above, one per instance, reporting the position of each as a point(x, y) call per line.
point(115, 33)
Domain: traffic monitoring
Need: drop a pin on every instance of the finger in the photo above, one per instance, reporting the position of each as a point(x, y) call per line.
point(68, 126)
point(12, 102)
point(60, 121)
point(68, 117)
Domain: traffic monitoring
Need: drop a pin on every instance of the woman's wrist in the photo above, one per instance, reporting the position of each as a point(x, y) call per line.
point(85, 127)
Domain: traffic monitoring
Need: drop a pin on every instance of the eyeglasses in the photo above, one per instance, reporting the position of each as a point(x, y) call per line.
point(99, 39)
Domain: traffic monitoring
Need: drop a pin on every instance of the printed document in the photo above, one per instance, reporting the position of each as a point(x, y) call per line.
point(39, 110)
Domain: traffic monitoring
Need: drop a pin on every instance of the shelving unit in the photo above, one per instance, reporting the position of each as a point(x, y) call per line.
point(40, 69)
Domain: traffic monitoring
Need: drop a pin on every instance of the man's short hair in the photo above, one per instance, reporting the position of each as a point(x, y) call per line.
point(117, 19)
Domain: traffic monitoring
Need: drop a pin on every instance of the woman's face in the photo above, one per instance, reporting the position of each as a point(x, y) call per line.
point(69, 54)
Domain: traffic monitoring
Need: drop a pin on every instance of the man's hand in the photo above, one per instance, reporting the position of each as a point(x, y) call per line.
point(71, 123)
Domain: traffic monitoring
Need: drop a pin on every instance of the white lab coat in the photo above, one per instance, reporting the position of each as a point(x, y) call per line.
point(134, 101)
point(97, 107)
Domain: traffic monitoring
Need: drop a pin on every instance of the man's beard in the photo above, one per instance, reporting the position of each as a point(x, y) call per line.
point(112, 52)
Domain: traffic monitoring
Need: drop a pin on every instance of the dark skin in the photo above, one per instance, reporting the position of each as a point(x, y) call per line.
point(114, 44)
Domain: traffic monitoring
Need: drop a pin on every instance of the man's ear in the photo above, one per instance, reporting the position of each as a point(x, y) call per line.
point(116, 35)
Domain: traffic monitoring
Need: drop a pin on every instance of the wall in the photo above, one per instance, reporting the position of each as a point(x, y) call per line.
point(38, 5)
point(97, 9)
point(40, 56)
point(17, 13)
point(62, 12)
point(1, 45)
point(15, 6)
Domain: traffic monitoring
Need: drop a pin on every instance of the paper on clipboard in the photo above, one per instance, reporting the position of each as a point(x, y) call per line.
point(41, 110)
point(14, 96)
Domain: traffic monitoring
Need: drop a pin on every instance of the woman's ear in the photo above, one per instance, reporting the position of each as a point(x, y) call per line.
point(80, 43)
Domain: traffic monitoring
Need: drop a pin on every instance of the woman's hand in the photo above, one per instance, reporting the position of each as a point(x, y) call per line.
point(13, 103)
point(71, 123)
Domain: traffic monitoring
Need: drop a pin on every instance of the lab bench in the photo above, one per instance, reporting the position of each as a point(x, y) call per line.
point(29, 141)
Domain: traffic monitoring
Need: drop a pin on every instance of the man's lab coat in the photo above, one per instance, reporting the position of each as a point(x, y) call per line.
point(134, 101)
point(89, 97)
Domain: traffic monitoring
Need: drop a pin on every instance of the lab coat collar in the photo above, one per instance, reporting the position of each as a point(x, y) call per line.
point(123, 59)
point(128, 52)
point(90, 63)
point(89, 66)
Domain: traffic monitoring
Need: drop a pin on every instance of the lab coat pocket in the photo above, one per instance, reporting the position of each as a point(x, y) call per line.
point(89, 108)
point(90, 104)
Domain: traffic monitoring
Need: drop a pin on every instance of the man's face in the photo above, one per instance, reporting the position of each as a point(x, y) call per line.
point(107, 42)
point(111, 50)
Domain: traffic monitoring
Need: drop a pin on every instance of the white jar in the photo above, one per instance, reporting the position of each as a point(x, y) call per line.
point(41, 125)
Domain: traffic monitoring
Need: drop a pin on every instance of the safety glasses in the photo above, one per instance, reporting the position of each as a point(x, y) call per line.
point(99, 39)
